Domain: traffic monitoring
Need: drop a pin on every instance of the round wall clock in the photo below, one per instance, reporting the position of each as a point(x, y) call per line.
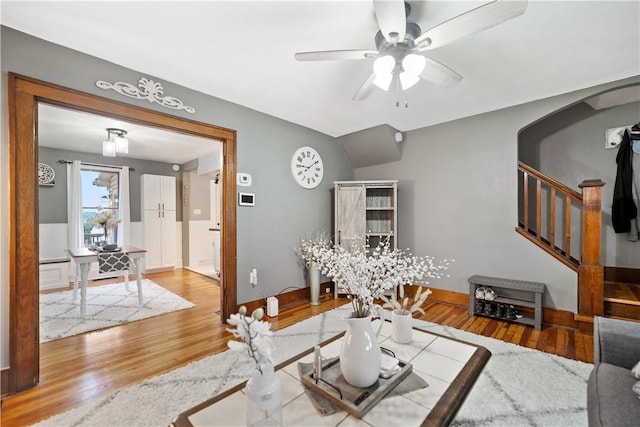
point(46, 174)
point(307, 167)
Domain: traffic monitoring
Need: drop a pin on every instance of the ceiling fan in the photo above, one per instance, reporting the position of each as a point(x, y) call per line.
point(401, 44)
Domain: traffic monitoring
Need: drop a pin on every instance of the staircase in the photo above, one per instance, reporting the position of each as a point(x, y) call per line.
point(547, 211)
point(622, 293)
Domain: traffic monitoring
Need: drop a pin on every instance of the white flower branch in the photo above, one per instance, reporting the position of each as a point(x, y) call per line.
point(367, 273)
point(256, 345)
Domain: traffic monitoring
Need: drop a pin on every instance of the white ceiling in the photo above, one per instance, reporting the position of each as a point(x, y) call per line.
point(79, 131)
point(243, 52)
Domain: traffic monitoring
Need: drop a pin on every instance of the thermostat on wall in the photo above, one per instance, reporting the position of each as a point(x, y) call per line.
point(244, 179)
point(246, 199)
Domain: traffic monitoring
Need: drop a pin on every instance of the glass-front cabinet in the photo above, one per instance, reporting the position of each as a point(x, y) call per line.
point(365, 213)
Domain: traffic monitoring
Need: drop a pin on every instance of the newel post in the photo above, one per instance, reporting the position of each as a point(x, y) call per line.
point(591, 272)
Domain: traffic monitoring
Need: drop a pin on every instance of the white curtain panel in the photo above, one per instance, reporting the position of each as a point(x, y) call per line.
point(124, 226)
point(75, 228)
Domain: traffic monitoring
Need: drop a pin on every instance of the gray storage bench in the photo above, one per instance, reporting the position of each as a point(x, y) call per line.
point(510, 292)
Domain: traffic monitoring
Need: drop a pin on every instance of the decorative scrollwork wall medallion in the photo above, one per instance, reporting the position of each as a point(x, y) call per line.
point(146, 89)
point(46, 175)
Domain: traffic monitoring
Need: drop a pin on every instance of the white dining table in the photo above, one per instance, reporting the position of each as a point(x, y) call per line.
point(84, 257)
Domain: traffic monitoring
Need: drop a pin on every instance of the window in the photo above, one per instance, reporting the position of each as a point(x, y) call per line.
point(99, 204)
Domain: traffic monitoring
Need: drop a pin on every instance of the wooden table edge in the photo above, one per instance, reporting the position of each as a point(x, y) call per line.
point(447, 407)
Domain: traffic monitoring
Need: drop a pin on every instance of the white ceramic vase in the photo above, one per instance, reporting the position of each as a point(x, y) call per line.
point(401, 327)
point(264, 399)
point(314, 284)
point(360, 352)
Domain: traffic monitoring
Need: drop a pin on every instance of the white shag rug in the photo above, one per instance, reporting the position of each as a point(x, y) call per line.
point(518, 387)
point(107, 305)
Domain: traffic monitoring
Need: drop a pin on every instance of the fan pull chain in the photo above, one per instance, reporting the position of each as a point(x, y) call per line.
point(397, 90)
point(398, 93)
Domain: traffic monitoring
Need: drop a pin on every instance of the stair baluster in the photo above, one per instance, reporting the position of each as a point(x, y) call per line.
point(548, 193)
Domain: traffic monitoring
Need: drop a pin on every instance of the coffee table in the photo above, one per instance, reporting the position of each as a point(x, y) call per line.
point(448, 365)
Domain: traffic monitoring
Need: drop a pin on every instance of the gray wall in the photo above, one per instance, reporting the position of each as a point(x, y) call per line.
point(457, 198)
point(570, 147)
point(53, 200)
point(267, 232)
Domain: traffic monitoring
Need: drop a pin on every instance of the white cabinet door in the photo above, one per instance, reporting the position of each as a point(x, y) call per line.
point(168, 193)
point(158, 192)
point(151, 192)
point(153, 239)
point(159, 217)
point(169, 237)
point(350, 229)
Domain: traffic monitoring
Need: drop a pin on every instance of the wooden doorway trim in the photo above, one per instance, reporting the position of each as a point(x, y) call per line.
point(24, 94)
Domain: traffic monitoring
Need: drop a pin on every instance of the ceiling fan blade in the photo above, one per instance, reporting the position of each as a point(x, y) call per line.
point(334, 55)
point(392, 19)
point(476, 20)
point(439, 74)
point(366, 89)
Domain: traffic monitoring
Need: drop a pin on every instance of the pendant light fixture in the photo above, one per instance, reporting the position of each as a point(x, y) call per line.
point(115, 143)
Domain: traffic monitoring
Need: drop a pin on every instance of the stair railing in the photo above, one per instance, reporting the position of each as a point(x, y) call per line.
point(553, 207)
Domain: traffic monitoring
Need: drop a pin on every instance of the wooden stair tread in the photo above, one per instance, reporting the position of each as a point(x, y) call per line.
point(621, 293)
point(621, 301)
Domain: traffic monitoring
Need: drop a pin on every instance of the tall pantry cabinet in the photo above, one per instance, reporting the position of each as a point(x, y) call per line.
point(159, 221)
point(365, 212)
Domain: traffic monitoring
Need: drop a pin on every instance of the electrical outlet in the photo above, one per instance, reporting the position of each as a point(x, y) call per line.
point(253, 276)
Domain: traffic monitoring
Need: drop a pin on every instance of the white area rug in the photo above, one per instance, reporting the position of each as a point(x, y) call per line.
point(107, 305)
point(518, 387)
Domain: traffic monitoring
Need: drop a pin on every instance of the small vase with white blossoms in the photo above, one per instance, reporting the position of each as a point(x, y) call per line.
point(365, 274)
point(263, 389)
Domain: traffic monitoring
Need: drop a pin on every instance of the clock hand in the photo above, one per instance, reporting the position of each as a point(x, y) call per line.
point(309, 167)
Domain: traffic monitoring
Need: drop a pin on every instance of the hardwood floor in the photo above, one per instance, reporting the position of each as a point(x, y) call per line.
point(77, 369)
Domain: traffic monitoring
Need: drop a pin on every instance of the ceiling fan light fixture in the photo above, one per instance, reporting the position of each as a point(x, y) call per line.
point(414, 64)
point(398, 37)
point(408, 80)
point(384, 81)
point(384, 65)
point(383, 70)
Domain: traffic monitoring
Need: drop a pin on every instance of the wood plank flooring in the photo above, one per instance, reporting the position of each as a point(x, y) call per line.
point(80, 368)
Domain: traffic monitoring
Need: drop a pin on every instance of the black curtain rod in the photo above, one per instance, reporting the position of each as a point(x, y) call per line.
point(62, 161)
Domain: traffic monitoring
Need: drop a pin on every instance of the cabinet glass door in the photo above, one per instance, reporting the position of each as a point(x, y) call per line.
point(350, 217)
